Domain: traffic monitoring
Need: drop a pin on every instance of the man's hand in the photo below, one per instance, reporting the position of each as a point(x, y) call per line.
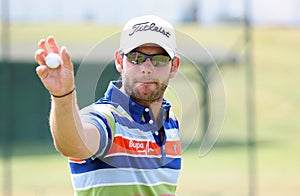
point(59, 81)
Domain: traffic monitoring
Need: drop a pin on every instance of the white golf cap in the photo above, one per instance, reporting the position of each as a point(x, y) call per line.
point(148, 29)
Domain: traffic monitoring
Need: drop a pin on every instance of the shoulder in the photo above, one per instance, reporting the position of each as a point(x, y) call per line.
point(98, 112)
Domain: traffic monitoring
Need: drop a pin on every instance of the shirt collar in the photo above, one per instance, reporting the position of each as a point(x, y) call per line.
point(116, 97)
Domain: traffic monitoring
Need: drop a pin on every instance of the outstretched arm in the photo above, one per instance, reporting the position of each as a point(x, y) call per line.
point(71, 137)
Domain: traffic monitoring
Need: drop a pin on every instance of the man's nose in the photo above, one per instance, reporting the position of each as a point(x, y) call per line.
point(147, 67)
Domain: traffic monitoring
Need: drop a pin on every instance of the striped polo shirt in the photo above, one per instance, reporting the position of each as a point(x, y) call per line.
point(132, 159)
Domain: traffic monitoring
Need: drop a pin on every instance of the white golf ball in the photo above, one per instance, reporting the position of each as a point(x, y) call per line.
point(53, 60)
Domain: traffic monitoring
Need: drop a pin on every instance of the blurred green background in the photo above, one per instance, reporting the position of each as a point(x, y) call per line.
point(37, 169)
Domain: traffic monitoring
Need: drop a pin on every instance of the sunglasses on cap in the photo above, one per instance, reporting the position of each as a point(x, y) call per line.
point(157, 60)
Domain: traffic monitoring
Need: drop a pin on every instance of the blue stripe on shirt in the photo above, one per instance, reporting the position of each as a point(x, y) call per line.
point(125, 162)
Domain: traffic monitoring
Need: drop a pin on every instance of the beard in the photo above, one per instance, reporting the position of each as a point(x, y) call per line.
point(144, 94)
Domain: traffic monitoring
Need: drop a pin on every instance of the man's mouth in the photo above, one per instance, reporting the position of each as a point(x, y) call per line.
point(146, 82)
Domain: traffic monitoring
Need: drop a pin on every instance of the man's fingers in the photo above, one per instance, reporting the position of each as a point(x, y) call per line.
point(40, 55)
point(52, 44)
point(42, 71)
point(67, 62)
point(42, 44)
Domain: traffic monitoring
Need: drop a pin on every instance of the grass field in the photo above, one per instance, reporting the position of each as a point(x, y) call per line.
point(224, 170)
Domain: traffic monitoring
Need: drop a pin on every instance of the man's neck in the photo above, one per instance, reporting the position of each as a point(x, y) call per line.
point(156, 108)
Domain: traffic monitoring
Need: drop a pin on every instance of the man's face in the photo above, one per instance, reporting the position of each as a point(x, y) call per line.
point(146, 83)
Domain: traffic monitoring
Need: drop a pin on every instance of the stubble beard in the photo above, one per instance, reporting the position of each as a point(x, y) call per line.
point(144, 97)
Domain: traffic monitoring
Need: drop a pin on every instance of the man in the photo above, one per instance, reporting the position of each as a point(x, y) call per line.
point(127, 143)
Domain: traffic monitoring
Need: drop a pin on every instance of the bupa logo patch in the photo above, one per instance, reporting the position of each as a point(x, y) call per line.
point(141, 147)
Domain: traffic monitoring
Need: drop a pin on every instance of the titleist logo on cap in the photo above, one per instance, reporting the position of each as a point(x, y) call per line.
point(145, 26)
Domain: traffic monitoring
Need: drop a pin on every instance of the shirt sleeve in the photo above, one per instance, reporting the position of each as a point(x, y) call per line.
point(91, 115)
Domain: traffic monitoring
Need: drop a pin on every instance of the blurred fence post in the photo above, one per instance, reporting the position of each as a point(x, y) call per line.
point(6, 97)
point(250, 95)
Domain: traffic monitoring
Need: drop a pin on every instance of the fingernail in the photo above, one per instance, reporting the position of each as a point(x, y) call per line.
point(65, 48)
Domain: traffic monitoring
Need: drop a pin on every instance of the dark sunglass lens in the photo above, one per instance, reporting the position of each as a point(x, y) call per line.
point(160, 60)
point(131, 57)
point(136, 58)
point(141, 58)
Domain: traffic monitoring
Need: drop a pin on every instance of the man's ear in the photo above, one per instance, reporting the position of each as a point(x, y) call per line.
point(175, 66)
point(119, 61)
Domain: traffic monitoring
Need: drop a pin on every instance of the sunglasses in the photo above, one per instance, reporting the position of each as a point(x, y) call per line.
point(157, 60)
